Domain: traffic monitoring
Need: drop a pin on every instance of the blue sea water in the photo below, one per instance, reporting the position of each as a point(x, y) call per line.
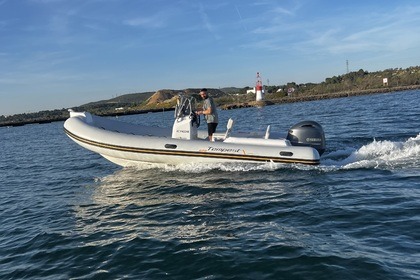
point(67, 213)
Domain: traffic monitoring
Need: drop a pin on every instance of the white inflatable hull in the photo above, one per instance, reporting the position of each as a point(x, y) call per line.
point(128, 144)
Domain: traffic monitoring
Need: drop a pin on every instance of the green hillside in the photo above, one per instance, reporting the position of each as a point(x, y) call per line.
point(125, 99)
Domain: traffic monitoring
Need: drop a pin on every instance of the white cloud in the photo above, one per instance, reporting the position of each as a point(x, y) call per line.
point(344, 33)
point(146, 22)
point(207, 24)
point(283, 11)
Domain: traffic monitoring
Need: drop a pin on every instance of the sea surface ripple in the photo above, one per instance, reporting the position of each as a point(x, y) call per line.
point(66, 213)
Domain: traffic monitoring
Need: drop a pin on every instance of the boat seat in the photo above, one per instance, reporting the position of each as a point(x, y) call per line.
point(223, 136)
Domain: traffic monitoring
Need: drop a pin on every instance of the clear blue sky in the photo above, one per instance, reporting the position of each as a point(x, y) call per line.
point(61, 53)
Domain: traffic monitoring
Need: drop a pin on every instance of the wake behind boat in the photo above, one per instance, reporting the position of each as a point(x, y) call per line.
point(127, 144)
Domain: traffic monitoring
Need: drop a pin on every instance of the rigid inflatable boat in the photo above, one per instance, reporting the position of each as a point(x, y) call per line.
point(127, 144)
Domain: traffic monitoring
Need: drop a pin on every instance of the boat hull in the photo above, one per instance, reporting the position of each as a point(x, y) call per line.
point(122, 144)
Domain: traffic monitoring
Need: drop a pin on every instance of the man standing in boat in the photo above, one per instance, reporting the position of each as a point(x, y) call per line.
point(210, 113)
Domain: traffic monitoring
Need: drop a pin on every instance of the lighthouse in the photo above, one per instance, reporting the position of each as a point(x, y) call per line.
point(259, 88)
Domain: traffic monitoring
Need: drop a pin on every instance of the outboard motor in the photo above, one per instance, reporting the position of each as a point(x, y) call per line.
point(307, 133)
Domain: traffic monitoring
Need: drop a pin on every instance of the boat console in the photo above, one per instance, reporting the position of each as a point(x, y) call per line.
point(186, 120)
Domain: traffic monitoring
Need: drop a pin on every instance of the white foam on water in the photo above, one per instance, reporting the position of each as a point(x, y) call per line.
point(227, 167)
point(378, 154)
point(206, 167)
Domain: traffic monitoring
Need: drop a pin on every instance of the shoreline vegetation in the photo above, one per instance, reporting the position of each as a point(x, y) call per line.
point(348, 85)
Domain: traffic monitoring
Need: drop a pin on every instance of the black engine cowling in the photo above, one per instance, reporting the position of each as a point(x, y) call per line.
point(307, 133)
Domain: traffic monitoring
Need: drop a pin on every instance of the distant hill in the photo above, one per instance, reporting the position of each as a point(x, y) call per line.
point(166, 98)
point(151, 98)
point(124, 99)
point(232, 90)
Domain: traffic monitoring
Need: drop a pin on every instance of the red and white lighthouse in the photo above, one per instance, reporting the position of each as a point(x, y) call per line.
point(259, 88)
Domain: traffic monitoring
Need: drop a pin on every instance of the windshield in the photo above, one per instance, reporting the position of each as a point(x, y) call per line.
point(185, 106)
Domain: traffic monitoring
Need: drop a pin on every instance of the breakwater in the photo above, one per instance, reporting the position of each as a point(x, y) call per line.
point(18, 121)
point(303, 98)
point(13, 122)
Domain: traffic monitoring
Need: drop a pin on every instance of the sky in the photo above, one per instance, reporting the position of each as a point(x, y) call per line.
point(58, 54)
